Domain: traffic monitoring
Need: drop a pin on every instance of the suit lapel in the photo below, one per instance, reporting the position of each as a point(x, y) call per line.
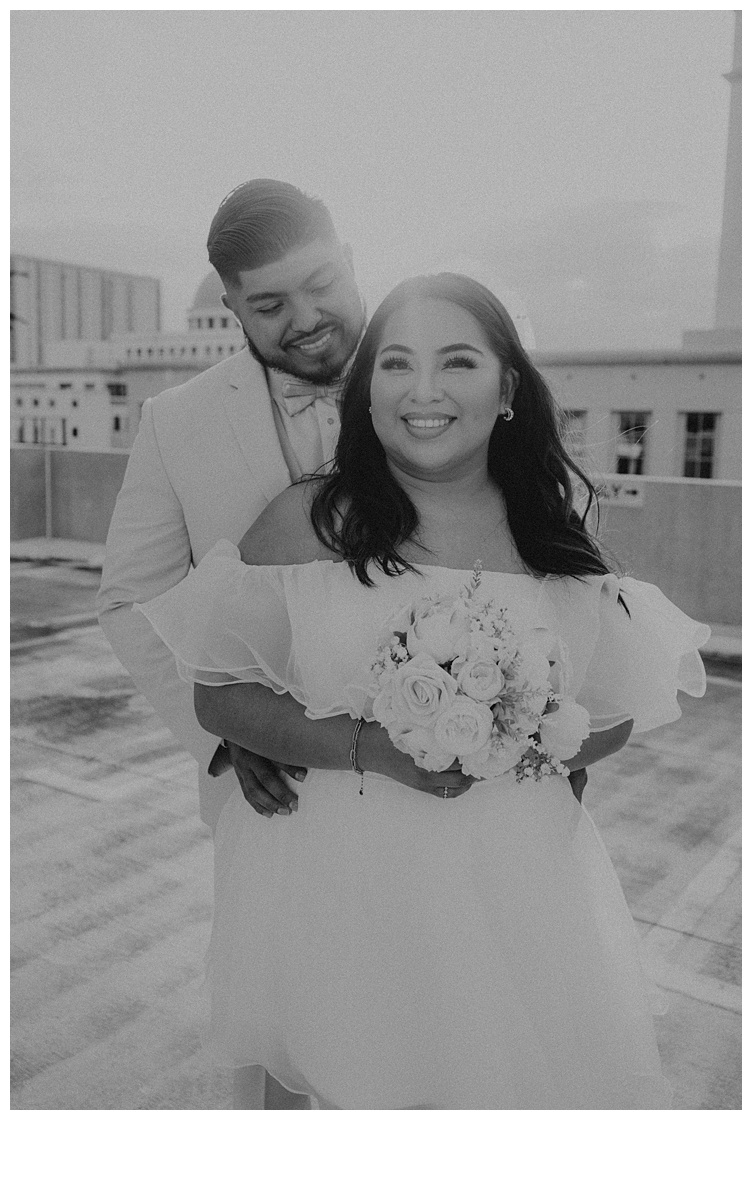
point(248, 408)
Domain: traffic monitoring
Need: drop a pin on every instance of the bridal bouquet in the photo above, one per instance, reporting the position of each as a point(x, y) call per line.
point(452, 680)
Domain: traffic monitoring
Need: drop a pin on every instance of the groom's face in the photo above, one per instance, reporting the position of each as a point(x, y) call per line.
point(302, 314)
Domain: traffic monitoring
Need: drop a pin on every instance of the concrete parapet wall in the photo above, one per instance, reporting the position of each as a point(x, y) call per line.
point(27, 488)
point(685, 537)
point(682, 534)
point(72, 496)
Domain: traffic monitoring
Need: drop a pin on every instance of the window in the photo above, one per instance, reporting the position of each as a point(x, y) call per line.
point(74, 403)
point(631, 442)
point(573, 432)
point(74, 431)
point(19, 401)
point(51, 402)
point(210, 322)
point(198, 322)
point(65, 386)
point(700, 433)
point(90, 386)
point(116, 424)
point(223, 322)
point(117, 389)
point(35, 402)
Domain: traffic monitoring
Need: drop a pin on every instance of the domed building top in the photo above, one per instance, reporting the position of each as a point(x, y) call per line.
point(209, 293)
point(207, 310)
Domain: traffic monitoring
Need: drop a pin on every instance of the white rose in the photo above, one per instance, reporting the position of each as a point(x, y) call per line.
point(437, 628)
point(388, 708)
point(422, 690)
point(465, 727)
point(479, 679)
point(531, 671)
point(423, 748)
point(564, 729)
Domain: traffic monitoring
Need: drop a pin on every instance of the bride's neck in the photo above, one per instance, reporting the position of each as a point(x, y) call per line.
point(463, 490)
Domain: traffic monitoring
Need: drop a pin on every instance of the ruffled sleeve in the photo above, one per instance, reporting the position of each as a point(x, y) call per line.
point(227, 623)
point(641, 658)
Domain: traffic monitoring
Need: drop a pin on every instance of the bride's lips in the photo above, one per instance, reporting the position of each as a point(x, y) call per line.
point(315, 344)
point(425, 427)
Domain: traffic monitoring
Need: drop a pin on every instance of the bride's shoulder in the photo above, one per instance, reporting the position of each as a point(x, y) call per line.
point(283, 535)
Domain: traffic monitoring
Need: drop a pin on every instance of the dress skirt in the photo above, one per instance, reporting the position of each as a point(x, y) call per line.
point(395, 950)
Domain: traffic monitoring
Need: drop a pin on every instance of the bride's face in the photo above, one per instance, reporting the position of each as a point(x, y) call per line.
point(437, 389)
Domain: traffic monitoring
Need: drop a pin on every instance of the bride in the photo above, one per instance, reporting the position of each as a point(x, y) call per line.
point(409, 939)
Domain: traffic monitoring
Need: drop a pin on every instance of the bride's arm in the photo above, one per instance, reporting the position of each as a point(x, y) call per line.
point(600, 745)
point(277, 727)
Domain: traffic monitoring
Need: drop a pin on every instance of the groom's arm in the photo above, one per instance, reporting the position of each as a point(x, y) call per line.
point(148, 552)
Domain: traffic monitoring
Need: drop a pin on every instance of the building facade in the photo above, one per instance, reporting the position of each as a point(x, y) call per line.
point(664, 414)
point(86, 393)
point(672, 414)
point(53, 303)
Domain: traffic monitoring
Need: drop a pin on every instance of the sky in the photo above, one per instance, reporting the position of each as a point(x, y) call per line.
point(574, 160)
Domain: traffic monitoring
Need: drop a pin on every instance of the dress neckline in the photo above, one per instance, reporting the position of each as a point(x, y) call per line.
point(469, 571)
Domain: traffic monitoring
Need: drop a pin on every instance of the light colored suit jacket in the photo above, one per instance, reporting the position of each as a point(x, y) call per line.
point(204, 465)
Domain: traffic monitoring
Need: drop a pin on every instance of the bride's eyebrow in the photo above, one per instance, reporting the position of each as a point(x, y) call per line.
point(443, 350)
point(459, 346)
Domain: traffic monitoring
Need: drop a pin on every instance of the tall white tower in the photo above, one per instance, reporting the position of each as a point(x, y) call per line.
point(728, 305)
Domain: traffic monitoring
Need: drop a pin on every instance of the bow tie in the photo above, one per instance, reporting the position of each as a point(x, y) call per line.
point(297, 394)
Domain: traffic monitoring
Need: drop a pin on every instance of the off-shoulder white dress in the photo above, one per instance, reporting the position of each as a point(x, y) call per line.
point(391, 949)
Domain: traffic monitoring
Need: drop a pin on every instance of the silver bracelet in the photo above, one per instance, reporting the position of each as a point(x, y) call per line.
point(354, 753)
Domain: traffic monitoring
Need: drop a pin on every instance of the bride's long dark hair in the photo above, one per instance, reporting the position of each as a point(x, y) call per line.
point(360, 511)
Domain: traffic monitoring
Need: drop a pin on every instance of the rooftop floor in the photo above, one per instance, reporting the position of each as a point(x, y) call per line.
point(112, 878)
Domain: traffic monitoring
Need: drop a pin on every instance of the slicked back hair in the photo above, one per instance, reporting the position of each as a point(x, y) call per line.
point(260, 222)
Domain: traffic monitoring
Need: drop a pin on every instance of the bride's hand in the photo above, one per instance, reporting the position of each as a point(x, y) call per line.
point(377, 752)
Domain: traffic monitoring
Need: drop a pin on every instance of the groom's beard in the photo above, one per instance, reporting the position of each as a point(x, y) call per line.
point(323, 372)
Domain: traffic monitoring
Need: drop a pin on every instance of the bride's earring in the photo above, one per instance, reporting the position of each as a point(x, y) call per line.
point(508, 414)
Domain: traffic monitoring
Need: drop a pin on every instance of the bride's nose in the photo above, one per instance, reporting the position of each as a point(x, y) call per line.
point(426, 387)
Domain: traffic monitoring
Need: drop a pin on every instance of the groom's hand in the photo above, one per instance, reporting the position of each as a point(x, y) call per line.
point(262, 782)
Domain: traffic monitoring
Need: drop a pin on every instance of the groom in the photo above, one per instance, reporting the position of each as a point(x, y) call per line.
point(213, 452)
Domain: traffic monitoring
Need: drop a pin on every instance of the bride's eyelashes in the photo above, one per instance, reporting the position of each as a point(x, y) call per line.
point(461, 360)
point(395, 364)
point(402, 364)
